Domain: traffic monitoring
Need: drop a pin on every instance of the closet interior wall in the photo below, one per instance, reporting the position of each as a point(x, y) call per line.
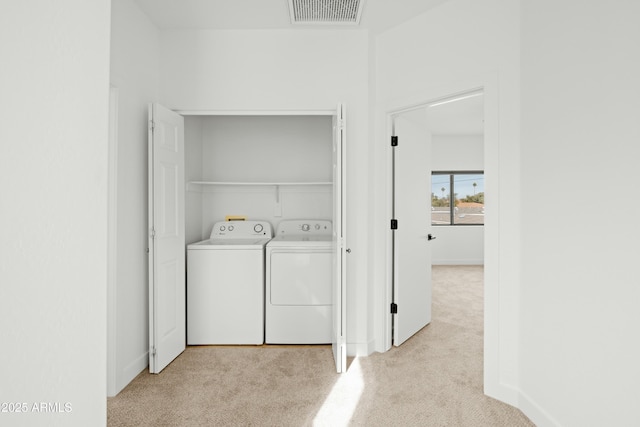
point(261, 167)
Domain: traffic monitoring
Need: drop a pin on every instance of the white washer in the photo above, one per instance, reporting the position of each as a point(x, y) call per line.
point(298, 281)
point(225, 284)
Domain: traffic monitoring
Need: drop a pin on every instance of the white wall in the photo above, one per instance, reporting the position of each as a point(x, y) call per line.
point(580, 321)
point(457, 245)
point(562, 287)
point(264, 70)
point(135, 73)
point(285, 70)
point(457, 152)
point(53, 215)
point(458, 46)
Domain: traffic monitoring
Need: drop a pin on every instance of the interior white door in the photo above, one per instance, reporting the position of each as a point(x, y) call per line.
point(167, 311)
point(339, 338)
point(412, 210)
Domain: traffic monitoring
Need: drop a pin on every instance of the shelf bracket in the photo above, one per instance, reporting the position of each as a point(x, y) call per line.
point(277, 210)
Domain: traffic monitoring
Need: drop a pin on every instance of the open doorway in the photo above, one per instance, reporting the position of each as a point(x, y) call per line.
point(457, 185)
point(444, 135)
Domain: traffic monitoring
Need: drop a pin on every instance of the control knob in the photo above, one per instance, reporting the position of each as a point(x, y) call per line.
point(258, 228)
point(306, 227)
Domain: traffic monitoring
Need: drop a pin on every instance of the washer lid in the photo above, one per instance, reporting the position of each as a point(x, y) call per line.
point(230, 244)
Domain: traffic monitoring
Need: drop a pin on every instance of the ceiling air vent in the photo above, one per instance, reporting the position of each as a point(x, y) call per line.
point(325, 11)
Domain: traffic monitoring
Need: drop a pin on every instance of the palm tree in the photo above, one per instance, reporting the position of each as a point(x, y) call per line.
point(474, 188)
point(442, 189)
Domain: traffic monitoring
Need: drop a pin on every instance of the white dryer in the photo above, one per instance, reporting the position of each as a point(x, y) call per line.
point(298, 281)
point(225, 284)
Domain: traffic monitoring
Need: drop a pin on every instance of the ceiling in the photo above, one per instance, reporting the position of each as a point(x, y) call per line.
point(377, 15)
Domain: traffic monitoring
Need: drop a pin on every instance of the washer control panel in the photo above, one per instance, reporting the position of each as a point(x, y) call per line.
point(241, 229)
point(305, 226)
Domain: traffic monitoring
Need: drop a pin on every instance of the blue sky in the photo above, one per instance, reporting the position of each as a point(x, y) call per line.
point(463, 184)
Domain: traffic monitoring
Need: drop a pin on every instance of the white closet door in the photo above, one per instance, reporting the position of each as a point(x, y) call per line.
point(339, 338)
point(167, 312)
point(412, 249)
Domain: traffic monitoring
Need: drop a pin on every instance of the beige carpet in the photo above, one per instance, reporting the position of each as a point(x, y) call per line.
point(434, 379)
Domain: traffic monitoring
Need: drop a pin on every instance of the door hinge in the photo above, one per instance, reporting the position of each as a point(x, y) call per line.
point(152, 233)
point(394, 141)
point(394, 308)
point(153, 351)
point(152, 125)
point(394, 224)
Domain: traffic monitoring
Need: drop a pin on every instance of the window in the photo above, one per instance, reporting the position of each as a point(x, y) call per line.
point(466, 189)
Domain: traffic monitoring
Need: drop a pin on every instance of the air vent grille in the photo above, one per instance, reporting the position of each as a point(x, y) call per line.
point(325, 11)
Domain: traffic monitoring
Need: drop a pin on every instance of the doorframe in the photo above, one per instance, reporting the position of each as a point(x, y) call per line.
point(492, 327)
point(340, 114)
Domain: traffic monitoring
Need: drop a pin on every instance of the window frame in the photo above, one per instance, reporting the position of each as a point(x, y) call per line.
point(452, 204)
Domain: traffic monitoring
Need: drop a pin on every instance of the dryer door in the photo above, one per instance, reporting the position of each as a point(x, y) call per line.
point(301, 278)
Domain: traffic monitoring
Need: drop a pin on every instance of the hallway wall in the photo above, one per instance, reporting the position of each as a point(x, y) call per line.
point(459, 46)
point(252, 70)
point(53, 211)
point(579, 312)
point(135, 74)
point(562, 278)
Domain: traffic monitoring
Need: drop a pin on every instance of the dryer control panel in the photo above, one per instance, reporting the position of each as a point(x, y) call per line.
point(241, 229)
point(305, 226)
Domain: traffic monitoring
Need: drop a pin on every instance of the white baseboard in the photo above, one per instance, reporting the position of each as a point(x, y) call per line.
point(131, 371)
point(518, 399)
point(535, 412)
point(502, 392)
point(360, 349)
point(457, 261)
